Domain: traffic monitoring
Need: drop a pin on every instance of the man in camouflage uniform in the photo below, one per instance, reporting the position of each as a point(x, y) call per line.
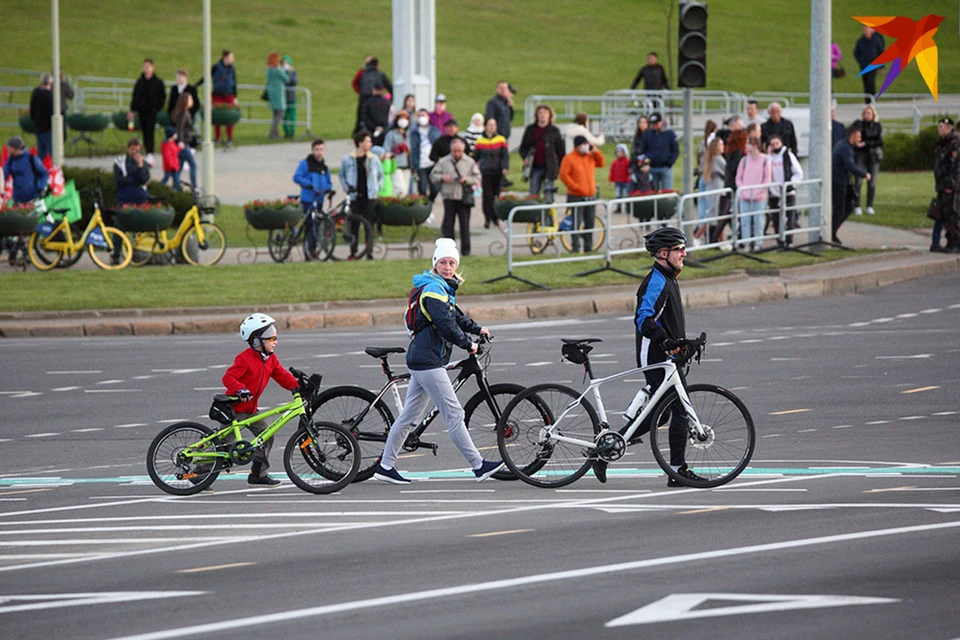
point(946, 173)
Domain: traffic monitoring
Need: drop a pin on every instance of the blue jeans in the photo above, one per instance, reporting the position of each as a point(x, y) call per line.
point(44, 144)
point(174, 177)
point(538, 179)
point(186, 157)
point(661, 177)
point(426, 187)
point(751, 224)
point(703, 204)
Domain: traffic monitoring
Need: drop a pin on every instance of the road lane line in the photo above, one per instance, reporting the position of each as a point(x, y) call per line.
point(73, 373)
point(499, 533)
point(218, 567)
point(789, 411)
point(512, 583)
point(707, 510)
point(920, 389)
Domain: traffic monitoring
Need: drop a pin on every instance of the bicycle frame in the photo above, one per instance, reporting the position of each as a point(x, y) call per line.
point(69, 246)
point(190, 219)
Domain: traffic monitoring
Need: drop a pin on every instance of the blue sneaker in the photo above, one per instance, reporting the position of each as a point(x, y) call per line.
point(389, 475)
point(487, 469)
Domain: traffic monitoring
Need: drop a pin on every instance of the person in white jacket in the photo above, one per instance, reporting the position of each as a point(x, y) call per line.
point(581, 127)
point(785, 168)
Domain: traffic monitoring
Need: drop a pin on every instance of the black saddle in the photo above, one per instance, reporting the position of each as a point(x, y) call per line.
point(579, 341)
point(380, 352)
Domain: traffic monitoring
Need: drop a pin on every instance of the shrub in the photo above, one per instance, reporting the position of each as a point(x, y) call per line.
point(904, 152)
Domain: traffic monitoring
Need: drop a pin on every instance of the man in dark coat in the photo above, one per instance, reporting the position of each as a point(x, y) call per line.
point(41, 112)
point(843, 166)
point(149, 94)
point(653, 74)
point(946, 175)
point(370, 77)
point(777, 124)
point(375, 115)
point(865, 51)
point(183, 86)
point(500, 108)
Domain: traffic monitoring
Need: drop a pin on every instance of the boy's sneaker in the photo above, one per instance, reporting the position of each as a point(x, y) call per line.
point(684, 471)
point(266, 481)
point(389, 475)
point(487, 469)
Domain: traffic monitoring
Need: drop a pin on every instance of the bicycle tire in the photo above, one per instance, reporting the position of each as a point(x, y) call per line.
point(43, 259)
point(539, 245)
point(280, 242)
point(104, 258)
point(341, 405)
point(322, 457)
point(210, 252)
point(326, 238)
point(362, 238)
point(66, 259)
point(599, 231)
point(731, 436)
point(143, 244)
point(481, 418)
point(528, 453)
point(169, 471)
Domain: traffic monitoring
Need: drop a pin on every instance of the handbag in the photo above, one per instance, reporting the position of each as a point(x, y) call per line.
point(934, 212)
point(265, 96)
point(467, 198)
point(838, 71)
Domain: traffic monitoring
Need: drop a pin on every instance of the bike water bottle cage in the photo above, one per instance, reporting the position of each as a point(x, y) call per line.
point(222, 409)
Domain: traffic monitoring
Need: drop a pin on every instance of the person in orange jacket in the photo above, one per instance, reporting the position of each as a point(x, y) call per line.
point(577, 171)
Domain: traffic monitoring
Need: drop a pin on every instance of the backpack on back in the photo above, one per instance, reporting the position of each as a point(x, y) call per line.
point(413, 311)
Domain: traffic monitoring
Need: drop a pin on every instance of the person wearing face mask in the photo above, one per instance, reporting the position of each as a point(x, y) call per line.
point(395, 142)
point(577, 171)
point(437, 325)
point(785, 167)
point(420, 140)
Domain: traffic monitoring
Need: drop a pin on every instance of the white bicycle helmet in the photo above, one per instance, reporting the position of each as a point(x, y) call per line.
point(254, 326)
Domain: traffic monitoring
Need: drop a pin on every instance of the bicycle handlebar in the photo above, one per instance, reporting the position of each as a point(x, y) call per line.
point(691, 350)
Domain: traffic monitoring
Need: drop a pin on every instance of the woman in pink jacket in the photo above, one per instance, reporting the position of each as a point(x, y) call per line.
point(754, 169)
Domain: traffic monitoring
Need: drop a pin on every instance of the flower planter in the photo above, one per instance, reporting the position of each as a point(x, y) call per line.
point(119, 120)
point(27, 124)
point(163, 120)
point(13, 223)
point(84, 122)
point(266, 219)
point(644, 211)
point(403, 215)
point(503, 208)
point(139, 220)
point(224, 116)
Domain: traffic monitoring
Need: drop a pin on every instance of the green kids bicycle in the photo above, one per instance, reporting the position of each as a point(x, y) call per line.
point(320, 457)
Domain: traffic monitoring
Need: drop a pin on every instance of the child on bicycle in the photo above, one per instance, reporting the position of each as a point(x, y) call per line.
point(439, 324)
point(247, 378)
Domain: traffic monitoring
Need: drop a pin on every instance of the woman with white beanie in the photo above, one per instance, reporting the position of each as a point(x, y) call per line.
point(436, 324)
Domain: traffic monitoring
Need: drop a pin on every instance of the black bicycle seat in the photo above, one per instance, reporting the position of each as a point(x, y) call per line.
point(61, 210)
point(380, 352)
point(580, 340)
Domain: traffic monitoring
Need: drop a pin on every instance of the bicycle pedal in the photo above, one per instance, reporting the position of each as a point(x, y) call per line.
point(434, 448)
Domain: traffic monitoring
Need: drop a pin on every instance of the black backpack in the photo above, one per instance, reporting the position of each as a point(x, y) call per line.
point(412, 313)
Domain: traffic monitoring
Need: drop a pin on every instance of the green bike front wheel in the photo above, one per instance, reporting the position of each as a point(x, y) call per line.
point(322, 457)
point(173, 460)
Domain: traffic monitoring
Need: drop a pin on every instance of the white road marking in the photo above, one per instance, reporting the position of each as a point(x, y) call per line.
point(41, 435)
point(73, 373)
point(540, 364)
point(931, 311)
point(65, 389)
point(110, 381)
point(37, 602)
point(944, 413)
point(130, 425)
point(86, 430)
point(873, 422)
point(111, 390)
point(914, 357)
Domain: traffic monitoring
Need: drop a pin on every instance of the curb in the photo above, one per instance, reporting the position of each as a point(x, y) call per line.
point(838, 278)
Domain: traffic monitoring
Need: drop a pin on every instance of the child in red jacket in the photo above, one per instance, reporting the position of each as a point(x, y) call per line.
point(247, 378)
point(170, 151)
point(620, 173)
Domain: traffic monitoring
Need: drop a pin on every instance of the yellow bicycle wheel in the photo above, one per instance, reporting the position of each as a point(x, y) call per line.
point(42, 258)
point(145, 245)
point(599, 232)
point(207, 252)
point(115, 256)
point(539, 244)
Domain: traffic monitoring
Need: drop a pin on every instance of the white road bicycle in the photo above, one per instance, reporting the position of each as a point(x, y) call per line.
point(550, 435)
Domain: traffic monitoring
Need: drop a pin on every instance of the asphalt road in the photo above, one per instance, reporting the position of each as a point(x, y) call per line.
point(845, 525)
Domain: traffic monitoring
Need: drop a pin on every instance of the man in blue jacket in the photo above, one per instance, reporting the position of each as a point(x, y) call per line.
point(29, 180)
point(131, 175)
point(661, 148)
point(868, 47)
point(313, 176)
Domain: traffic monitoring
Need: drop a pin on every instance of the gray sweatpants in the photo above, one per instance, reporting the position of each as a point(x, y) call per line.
point(435, 385)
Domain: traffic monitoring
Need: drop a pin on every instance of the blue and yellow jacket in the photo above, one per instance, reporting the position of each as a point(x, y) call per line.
point(439, 325)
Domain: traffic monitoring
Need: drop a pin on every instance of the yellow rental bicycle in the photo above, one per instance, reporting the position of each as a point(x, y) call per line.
point(196, 242)
point(109, 248)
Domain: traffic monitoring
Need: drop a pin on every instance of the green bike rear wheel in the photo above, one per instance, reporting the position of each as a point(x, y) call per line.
point(170, 465)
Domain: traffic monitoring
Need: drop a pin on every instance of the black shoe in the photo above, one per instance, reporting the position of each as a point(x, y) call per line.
point(684, 471)
point(600, 470)
point(266, 480)
point(935, 248)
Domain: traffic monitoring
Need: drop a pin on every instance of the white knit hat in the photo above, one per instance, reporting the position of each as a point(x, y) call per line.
point(446, 248)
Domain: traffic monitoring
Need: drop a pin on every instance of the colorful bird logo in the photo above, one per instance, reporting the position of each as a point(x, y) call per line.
point(913, 40)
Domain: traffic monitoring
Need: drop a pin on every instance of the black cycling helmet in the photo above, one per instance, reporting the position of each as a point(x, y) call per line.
point(663, 238)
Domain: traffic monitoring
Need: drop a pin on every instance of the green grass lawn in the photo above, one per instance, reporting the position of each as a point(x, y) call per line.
point(559, 47)
point(293, 283)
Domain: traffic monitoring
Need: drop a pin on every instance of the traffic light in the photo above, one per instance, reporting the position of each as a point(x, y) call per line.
point(692, 68)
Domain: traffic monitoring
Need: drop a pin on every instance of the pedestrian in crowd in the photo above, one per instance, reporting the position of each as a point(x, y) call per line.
point(844, 167)
point(439, 116)
point(389, 165)
point(181, 87)
point(248, 376)
point(224, 92)
point(733, 149)
point(709, 133)
point(420, 139)
point(474, 131)
point(660, 146)
point(577, 172)
point(356, 87)
point(375, 114)
point(410, 103)
point(66, 95)
point(149, 94)
point(541, 150)
point(868, 155)
point(41, 112)
point(641, 177)
point(276, 90)
point(837, 130)
point(836, 70)
point(183, 121)
point(313, 177)
point(867, 48)
point(753, 115)
point(438, 325)
point(653, 74)
point(643, 123)
point(396, 143)
point(493, 157)
point(946, 175)
point(29, 178)
point(361, 175)
point(777, 124)
point(290, 113)
point(442, 146)
point(131, 174)
point(784, 168)
point(170, 154)
point(500, 108)
point(456, 174)
point(714, 172)
point(731, 124)
point(620, 173)
point(581, 127)
point(369, 77)
point(754, 169)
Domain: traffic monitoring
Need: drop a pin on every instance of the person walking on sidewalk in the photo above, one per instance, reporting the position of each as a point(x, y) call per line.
point(149, 95)
point(456, 174)
point(437, 325)
point(493, 158)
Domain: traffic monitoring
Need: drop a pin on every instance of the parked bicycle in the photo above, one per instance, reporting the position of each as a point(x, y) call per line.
point(331, 233)
point(551, 435)
point(553, 225)
point(186, 457)
point(195, 242)
point(369, 418)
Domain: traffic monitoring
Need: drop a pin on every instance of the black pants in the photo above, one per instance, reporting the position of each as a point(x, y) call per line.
point(366, 208)
point(773, 202)
point(678, 419)
point(841, 206)
point(870, 84)
point(454, 210)
point(583, 218)
point(148, 124)
point(491, 189)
